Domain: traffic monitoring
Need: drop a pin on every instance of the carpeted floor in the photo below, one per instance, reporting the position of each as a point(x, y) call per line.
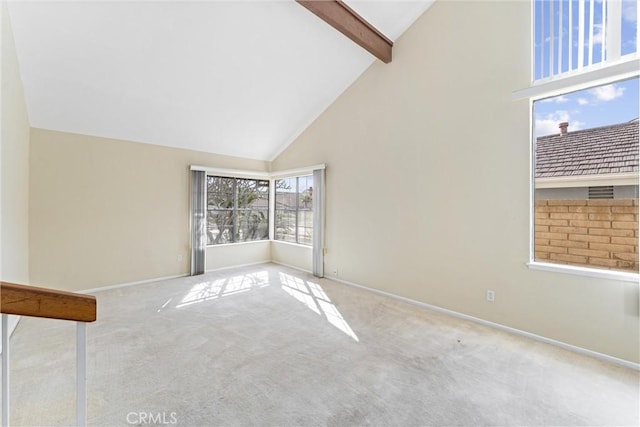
point(268, 345)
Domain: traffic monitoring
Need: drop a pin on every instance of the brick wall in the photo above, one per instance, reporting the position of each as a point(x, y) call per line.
point(592, 233)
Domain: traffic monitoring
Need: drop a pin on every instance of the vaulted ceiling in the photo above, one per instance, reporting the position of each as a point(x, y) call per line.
point(241, 78)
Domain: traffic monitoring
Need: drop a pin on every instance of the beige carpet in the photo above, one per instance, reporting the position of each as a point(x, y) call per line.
point(267, 345)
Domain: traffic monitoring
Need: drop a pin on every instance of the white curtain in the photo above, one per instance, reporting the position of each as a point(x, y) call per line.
point(198, 221)
point(318, 222)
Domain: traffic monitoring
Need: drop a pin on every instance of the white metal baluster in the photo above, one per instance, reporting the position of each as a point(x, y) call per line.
point(570, 67)
point(614, 30)
point(543, 60)
point(604, 30)
point(551, 37)
point(560, 26)
point(81, 374)
point(591, 26)
point(5, 370)
point(580, 34)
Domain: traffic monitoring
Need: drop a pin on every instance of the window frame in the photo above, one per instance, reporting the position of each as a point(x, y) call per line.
point(605, 73)
point(235, 210)
point(297, 210)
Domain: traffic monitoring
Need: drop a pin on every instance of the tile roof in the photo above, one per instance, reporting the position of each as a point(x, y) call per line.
point(595, 151)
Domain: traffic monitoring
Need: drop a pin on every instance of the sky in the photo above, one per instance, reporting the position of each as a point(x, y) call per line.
point(604, 105)
point(542, 33)
point(600, 106)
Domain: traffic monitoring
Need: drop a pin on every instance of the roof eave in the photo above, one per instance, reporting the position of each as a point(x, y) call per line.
point(626, 178)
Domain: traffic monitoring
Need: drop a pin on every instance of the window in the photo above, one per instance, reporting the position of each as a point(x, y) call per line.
point(237, 210)
point(294, 210)
point(585, 133)
point(586, 177)
point(573, 36)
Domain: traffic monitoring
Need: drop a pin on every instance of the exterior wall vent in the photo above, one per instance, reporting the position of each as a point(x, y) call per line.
point(602, 192)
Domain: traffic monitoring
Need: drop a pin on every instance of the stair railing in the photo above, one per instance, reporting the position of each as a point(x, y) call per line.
point(23, 300)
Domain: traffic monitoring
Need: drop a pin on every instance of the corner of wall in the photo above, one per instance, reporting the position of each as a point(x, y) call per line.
point(14, 159)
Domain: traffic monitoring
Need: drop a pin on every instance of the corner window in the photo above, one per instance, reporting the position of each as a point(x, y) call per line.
point(237, 210)
point(294, 210)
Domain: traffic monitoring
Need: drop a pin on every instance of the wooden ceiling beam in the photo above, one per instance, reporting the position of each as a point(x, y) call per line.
point(348, 22)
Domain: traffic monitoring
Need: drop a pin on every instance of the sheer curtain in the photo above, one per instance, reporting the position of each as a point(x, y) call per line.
point(198, 221)
point(318, 223)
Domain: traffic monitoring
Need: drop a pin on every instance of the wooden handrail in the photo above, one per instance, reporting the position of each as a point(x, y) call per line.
point(26, 300)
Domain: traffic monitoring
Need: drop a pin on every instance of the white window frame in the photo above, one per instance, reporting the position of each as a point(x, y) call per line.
point(605, 73)
point(588, 73)
point(297, 177)
point(234, 177)
point(289, 173)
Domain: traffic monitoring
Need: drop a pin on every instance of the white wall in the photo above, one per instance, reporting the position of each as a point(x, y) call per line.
point(15, 164)
point(428, 182)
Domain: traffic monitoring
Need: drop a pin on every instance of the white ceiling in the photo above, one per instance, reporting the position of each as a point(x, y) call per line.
point(237, 78)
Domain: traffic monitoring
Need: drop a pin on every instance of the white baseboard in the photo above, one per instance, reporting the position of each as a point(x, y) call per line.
point(13, 323)
point(158, 279)
point(570, 347)
point(125, 285)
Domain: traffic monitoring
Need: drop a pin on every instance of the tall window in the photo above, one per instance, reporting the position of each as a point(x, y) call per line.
point(585, 133)
point(586, 177)
point(294, 210)
point(237, 210)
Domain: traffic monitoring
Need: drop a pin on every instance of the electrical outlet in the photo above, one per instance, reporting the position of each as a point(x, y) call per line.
point(335, 272)
point(179, 257)
point(491, 295)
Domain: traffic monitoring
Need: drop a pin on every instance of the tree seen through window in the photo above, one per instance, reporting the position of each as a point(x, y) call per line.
point(237, 210)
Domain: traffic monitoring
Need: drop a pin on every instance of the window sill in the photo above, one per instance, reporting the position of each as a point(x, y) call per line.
point(253, 242)
point(595, 76)
point(299, 245)
point(583, 271)
point(250, 242)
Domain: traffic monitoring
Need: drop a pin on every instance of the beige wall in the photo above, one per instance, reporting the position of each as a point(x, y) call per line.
point(105, 212)
point(14, 164)
point(297, 256)
point(222, 256)
point(421, 151)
